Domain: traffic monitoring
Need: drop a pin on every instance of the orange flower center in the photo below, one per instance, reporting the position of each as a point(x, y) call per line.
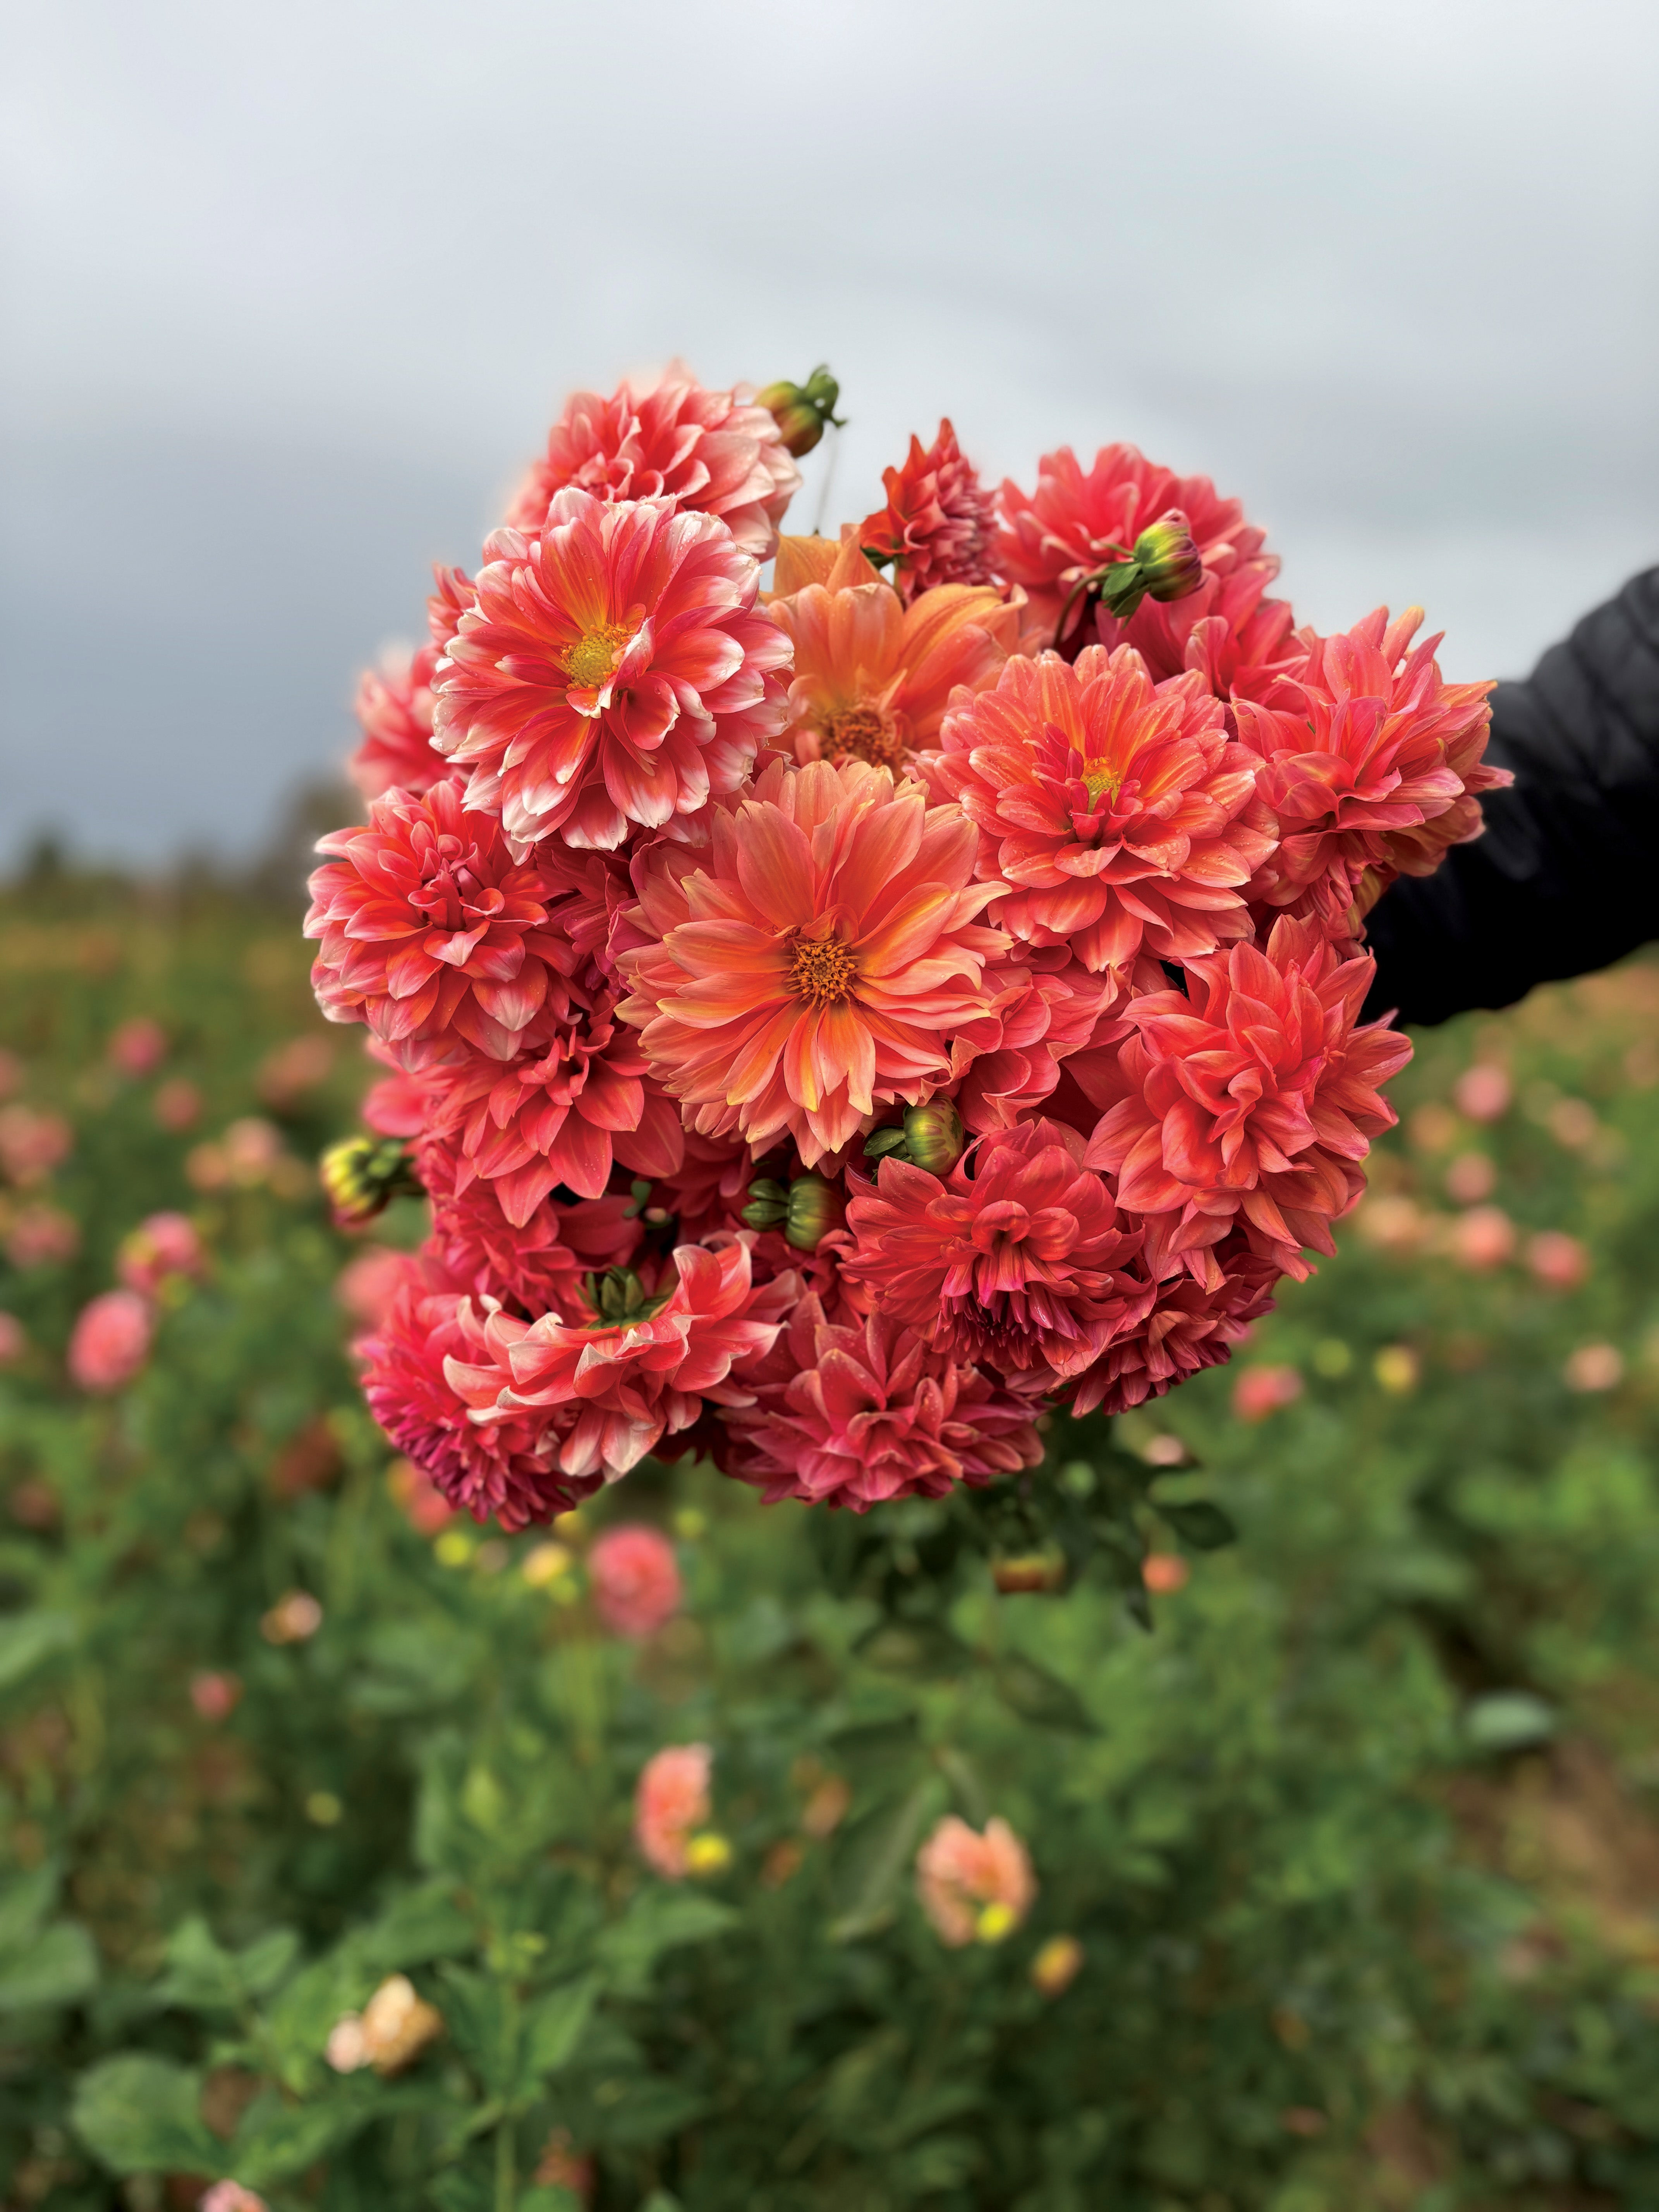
point(821, 968)
point(590, 661)
point(867, 734)
point(1100, 776)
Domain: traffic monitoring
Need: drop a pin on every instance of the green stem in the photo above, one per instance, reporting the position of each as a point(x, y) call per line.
point(506, 2171)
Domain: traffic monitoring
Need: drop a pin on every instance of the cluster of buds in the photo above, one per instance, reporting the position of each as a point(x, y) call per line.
point(806, 1210)
point(801, 412)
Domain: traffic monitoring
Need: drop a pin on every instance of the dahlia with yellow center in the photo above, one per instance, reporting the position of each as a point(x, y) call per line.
point(815, 962)
point(873, 674)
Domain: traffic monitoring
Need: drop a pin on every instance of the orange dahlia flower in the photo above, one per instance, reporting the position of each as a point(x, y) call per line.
point(720, 452)
point(873, 675)
point(816, 963)
point(936, 527)
point(1118, 813)
point(614, 670)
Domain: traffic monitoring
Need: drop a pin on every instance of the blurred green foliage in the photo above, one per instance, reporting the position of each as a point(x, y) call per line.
point(1360, 1844)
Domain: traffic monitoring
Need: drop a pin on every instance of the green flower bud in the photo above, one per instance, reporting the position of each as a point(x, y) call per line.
point(934, 1137)
point(618, 1297)
point(1164, 564)
point(362, 1175)
point(801, 410)
point(767, 1207)
point(815, 1208)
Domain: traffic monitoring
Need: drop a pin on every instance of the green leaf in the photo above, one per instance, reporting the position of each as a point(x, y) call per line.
point(557, 2199)
point(1038, 1696)
point(1508, 1720)
point(276, 2140)
point(1200, 1522)
point(266, 1961)
point(657, 1920)
point(883, 1862)
point(553, 2029)
point(925, 1648)
point(482, 2017)
point(141, 2114)
point(58, 1967)
point(201, 1974)
point(25, 1902)
point(423, 1925)
point(650, 2109)
point(27, 1638)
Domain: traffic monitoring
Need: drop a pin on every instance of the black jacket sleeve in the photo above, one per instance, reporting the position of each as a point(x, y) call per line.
point(1565, 877)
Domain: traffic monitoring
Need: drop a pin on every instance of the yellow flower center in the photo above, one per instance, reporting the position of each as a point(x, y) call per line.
point(821, 968)
point(1100, 776)
point(864, 733)
point(591, 660)
point(995, 1921)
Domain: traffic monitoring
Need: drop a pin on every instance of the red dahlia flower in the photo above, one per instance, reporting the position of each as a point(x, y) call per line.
point(613, 669)
point(431, 932)
point(1379, 769)
point(639, 1355)
point(504, 1466)
point(1119, 813)
point(1187, 1327)
point(815, 965)
point(936, 527)
point(1018, 1258)
point(868, 1412)
point(1254, 1098)
point(717, 452)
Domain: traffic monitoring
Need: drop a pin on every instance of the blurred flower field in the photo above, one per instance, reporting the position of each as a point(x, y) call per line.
point(343, 1867)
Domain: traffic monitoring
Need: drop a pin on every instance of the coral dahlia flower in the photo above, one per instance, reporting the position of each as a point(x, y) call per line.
point(936, 525)
point(817, 963)
point(1189, 1326)
point(1018, 1258)
point(532, 1264)
point(505, 1466)
point(1379, 769)
point(717, 452)
point(393, 707)
point(111, 1340)
point(576, 1097)
point(431, 932)
point(1048, 1006)
point(975, 1886)
point(1119, 813)
point(870, 1412)
point(671, 1799)
point(1251, 1095)
point(873, 675)
point(635, 1579)
point(639, 1356)
point(613, 669)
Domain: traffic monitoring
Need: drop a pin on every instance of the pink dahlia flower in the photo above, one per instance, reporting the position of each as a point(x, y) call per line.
point(432, 933)
point(137, 1047)
point(1017, 1259)
point(1047, 1006)
point(1262, 1391)
point(110, 1340)
point(577, 1096)
point(873, 675)
point(614, 670)
point(367, 1287)
point(817, 963)
point(671, 1802)
point(162, 1245)
point(715, 452)
point(937, 525)
point(975, 1886)
point(1189, 1326)
point(1077, 523)
point(429, 1345)
point(635, 1580)
point(869, 1412)
point(1252, 1095)
point(1376, 772)
point(32, 1144)
point(531, 1265)
point(640, 1355)
point(231, 2197)
point(1119, 813)
point(393, 707)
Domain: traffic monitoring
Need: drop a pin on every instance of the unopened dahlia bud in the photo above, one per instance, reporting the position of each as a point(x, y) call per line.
point(815, 1208)
point(934, 1136)
point(769, 1205)
point(362, 1175)
point(1030, 1574)
point(1164, 564)
point(801, 410)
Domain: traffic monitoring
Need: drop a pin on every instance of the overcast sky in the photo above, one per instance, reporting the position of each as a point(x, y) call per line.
point(291, 292)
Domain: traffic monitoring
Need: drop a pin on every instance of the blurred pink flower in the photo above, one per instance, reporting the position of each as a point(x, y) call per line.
point(1482, 1238)
point(366, 1286)
point(13, 1341)
point(11, 1073)
point(1164, 1572)
point(634, 1578)
point(177, 1105)
point(973, 1886)
point(1560, 1262)
point(1260, 1391)
point(671, 1799)
point(216, 1696)
point(40, 1234)
point(111, 1340)
point(32, 1144)
point(162, 1245)
point(423, 1505)
point(137, 1046)
point(1471, 1177)
point(1483, 1092)
point(393, 707)
point(293, 1618)
point(1595, 1367)
point(231, 2197)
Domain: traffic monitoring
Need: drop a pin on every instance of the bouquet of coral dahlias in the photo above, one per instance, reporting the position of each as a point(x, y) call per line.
point(834, 1025)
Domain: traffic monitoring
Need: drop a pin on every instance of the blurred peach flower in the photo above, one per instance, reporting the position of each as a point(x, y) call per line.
point(1471, 1177)
point(367, 1285)
point(230, 2197)
point(111, 1340)
point(32, 1144)
point(826, 1809)
point(423, 1505)
point(215, 1695)
point(137, 1047)
point(1484, 1092)
point(14, 1343)
point(162, 1245)
point(563, 2166)
point(635, 1580)
point(1560, 1262)
point(292, 1619)
point(1056, 1965)
point(11, 1074)
point(390, 2033)
point(673, 1800)
point(1595, 1367)
point(1393, 1223)
point(177, 1105)
point(1164, 1572)
point(291, 1069)
point(1260, 1391)
point(40, 1234)
point(1482, 1238)
point(973, 1888)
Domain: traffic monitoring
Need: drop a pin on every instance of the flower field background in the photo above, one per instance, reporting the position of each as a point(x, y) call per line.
point(322, 1876)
